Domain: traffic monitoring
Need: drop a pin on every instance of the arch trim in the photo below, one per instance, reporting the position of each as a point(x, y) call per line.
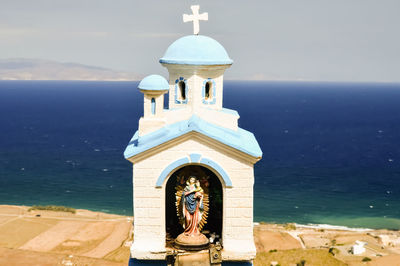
point(195, 157)
point(205, 161)
point(219, 169)
point(169, 169)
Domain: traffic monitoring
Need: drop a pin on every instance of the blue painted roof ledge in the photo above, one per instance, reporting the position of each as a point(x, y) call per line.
point(241, 140)
point(230, 111)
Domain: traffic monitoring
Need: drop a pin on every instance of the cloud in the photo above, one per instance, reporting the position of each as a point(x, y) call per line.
point(17, 32)
point(155, 35)
point(7, 31)
point(100, 34)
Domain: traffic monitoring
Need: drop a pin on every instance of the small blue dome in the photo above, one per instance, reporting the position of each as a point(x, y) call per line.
point(154, 83)
point(196, 50)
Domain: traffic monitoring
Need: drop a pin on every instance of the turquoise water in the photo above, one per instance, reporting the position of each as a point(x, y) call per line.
point(331, 150)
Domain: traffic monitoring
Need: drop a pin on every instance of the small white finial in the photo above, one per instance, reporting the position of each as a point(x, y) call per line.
point(195, 18)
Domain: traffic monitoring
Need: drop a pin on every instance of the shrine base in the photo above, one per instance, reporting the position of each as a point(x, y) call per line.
point(192, 242)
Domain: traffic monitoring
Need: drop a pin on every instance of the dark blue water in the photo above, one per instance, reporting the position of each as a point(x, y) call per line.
point(331, 150)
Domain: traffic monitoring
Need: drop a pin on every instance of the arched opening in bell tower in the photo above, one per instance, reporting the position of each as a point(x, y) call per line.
point(213, 205)
point(153, 106)
point(208, 90)
point(182, 90)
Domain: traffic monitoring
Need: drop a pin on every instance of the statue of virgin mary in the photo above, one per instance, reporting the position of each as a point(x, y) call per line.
point(192, 205)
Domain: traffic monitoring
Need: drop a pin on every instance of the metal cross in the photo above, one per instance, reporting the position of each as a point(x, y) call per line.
point(195, 18)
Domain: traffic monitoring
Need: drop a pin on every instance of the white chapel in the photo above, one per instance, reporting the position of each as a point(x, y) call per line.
point(193, 170)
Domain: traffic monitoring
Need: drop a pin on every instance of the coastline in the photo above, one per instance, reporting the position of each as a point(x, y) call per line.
point(324, 227)
point(327, 226)
point(351, 222)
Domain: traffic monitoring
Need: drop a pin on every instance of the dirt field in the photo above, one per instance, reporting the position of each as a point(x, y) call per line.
point(62, 238)
point(267, 239)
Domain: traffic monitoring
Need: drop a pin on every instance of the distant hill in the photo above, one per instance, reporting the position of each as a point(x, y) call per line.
point(38, 69)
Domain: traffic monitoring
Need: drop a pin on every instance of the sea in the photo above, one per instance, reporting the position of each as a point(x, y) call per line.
point(331, 151)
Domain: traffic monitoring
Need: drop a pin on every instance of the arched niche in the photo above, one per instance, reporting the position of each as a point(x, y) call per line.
point(215, 189)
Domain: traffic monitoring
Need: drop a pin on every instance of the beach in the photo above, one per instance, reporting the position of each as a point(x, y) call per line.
point(41, 237)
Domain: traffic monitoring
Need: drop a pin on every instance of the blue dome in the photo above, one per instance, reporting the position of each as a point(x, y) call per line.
point(196, 50)
point(154, 83)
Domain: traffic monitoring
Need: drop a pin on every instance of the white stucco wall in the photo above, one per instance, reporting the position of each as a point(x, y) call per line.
point(149, 201)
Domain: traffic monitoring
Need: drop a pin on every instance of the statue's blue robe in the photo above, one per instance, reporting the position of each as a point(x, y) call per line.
point(190, 203)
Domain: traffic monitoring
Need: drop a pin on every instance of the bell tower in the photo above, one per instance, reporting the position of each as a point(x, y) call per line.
point(153, 87)
point(195, 75)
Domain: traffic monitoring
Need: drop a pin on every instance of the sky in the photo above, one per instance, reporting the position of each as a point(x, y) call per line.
point(316, 40)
